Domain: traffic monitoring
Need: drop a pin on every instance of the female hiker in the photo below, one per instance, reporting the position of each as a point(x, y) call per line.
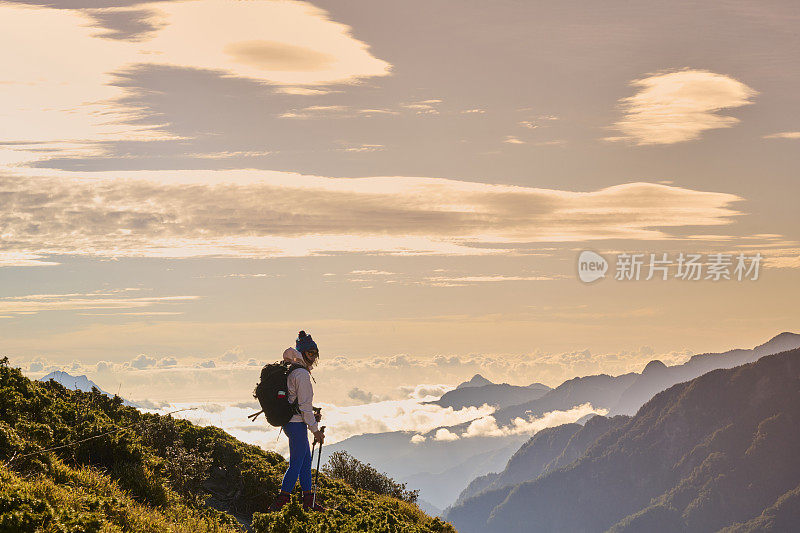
point(306, 355)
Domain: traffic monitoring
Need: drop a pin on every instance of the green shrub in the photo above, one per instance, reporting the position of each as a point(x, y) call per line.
point(187, 469)
point(20, 512)
point(160, 433)
point(342, 465)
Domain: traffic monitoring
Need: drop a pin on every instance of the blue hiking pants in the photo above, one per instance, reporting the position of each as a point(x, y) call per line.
point(299, 457)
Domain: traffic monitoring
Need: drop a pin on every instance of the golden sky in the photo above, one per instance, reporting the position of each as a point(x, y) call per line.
point(195, 181)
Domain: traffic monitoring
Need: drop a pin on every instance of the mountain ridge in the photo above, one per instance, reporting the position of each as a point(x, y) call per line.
point(622, 394)
point(711, 453)
point(495, 394)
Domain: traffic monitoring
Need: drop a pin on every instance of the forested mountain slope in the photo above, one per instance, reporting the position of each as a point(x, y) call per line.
point(717, 452)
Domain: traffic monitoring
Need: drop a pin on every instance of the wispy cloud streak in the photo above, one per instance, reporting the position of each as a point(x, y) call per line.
point(252, 214)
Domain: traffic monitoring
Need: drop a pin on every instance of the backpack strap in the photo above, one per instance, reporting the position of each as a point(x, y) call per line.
point(295, 366)
point(294, 405)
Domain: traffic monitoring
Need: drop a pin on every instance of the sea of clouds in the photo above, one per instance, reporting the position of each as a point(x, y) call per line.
point(414, 414)
point(410, 414)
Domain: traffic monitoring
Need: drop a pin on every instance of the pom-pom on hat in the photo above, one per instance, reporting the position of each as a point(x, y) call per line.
point(305, 343)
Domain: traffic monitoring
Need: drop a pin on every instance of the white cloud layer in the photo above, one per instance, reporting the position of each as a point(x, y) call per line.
point(393, 415)
point(679, 106)
point(269, 214)
point(341, 422)
point(396, 415)
point(486, 426)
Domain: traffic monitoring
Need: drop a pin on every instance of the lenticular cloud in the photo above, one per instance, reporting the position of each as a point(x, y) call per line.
point(678, 106)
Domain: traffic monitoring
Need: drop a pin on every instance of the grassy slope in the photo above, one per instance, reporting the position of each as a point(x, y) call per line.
point(83, 499)
point(159, 475)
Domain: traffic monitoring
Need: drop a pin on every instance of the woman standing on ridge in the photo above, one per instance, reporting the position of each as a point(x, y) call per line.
point(298, 382)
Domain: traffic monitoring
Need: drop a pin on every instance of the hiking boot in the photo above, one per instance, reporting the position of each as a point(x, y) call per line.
point(282, 499)
point(309, 504)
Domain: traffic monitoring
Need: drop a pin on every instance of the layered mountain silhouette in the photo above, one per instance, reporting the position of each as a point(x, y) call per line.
point(449, 482)
point(439, 468)
point(548, 450)
point(480, 391)
point(602, 391)
point(626, 393)
point(715, 453)
point(657, 376)
point(433, 466)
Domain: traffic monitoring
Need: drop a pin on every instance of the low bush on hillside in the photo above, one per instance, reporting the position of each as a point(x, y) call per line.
point(342, 465)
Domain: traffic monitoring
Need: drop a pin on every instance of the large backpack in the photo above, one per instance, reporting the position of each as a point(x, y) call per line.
point(272, 393)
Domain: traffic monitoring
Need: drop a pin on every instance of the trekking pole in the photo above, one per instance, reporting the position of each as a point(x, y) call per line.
point(318, 417)
point(316, 476)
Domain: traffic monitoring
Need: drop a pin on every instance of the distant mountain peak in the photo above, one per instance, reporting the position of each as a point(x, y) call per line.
point(782, 337)
point(476, 381)
point(81, 383)
point(653, 366)
point(539, 386)
point(779, 343)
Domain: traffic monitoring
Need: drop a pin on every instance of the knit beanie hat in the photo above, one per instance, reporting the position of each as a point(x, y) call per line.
point(305, 343)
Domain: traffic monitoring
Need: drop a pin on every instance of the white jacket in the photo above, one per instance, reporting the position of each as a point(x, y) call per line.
point(299, 384)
